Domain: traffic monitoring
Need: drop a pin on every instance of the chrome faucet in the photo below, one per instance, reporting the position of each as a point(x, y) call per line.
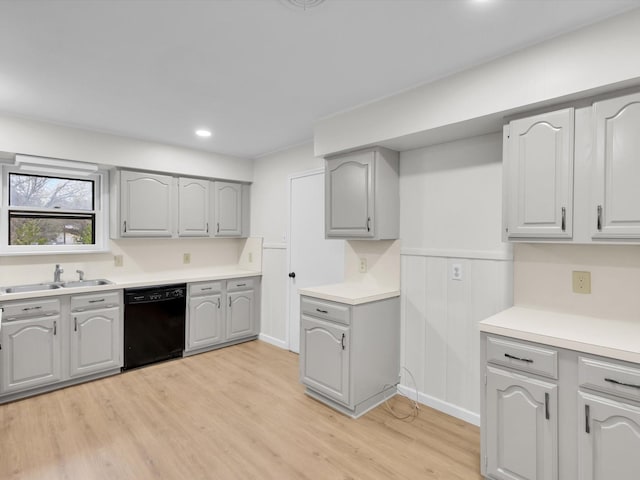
point(57, 272)
point(80, 275)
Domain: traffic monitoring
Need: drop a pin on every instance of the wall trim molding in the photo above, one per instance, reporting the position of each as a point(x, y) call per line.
point(273, 341)
point(441, 405)
point(505, 256)
point(274, 246)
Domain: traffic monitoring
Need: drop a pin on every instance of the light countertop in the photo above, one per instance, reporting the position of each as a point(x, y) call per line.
point(619, 339)
point(349, 293)
point(143, 280)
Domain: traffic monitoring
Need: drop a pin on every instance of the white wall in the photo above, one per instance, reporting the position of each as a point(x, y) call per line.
point(269, 219)
point(30, 137)
point(582, 63)
point(450, 213)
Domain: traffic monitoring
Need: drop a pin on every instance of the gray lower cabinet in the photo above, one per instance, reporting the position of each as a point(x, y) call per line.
point(522, 426)
point(221, 312)
point(552, 413)
point(96, 334)
point(31, 351)
point(350, 354)
point(52, 342)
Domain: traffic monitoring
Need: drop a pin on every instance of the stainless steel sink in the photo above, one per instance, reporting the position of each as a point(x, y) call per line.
point(86, 283)
point(39, 287)
point(36, 287)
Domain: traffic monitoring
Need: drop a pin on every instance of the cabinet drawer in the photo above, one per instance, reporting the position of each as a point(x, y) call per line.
point(93, 301)
point(609, 377)
point(522, 356)
point(336, 312)
point(204, 288)
point(30, 308)
point(240, 284)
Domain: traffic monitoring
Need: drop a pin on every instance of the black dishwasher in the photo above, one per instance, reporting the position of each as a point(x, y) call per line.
point(153, 324)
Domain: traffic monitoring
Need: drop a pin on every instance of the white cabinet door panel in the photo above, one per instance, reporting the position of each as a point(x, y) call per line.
point(616, 205)
point(193, 198)
point(240, 315)
point(146, 204)
point(609, 446)
point(228, 209)
point(349, 196)
point(95, 341)
point(205, 321)
point(325, 359)
point(30, 354)
point(540, 176)
point(522, 427)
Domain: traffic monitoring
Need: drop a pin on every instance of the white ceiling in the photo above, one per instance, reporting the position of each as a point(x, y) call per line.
point(257, 73)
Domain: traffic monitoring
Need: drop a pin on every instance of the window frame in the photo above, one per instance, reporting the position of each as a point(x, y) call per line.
point(101, 211)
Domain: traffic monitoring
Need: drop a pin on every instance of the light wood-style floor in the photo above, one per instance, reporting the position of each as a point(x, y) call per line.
point(235, 413)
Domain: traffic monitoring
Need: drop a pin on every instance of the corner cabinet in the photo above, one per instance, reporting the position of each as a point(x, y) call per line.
point(615, 209)
point(350, 354)
point(362, 195)
point(538, 168)
point(145, 204)
point(222, 313)
point(550, 413)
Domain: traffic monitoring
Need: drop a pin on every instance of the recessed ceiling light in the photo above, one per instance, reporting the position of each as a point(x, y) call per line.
point(203, 133)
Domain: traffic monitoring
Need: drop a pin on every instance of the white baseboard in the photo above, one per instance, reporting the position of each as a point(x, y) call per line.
point(274, 341)
point(441, 405)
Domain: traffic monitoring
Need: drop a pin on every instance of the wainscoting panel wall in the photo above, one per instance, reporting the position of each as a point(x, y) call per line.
point(440, 335)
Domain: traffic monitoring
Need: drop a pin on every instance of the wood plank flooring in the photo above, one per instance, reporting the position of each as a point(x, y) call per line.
point(234, 413)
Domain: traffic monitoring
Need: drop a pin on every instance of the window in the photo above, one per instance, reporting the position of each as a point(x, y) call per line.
point(52, 212)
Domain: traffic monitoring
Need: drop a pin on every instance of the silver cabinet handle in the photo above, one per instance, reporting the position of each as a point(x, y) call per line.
point(218, 228)
point(125, 226)
point(546, 405)
point(218, 303)
point(97, 301)
point(599, 221)
point(564, 219)
point(321, 311)
point(368, 224)
point(27, 309)
point(616, 382)
point(229, 302)
point(342, 341)
point(513, 357)
point(55, 327)
point(207, 227)
point(241, 284)
point(206, 288)
point(75, 324)
point(587, 428)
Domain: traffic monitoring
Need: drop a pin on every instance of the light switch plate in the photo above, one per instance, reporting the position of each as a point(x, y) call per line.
point(456, 271)
point(186, 258)
point(118, 261)
point(581, 282)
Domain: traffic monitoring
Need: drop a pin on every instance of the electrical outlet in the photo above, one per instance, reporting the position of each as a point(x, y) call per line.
point(186, 258)
point(456, 271)
point(363, 265)
point(250, 257)
point(581, 282)
point(118, 261)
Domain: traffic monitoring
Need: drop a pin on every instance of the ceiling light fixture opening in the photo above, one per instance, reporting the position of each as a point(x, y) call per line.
point(203, 133)
point(303, 4)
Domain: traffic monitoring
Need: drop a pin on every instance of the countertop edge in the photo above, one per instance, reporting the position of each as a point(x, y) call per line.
point(122, 284)
point(349, 300)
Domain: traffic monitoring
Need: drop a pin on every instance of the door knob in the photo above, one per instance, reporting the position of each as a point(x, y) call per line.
point(292, 275)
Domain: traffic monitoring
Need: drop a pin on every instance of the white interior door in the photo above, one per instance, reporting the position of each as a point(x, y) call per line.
point(314, 259)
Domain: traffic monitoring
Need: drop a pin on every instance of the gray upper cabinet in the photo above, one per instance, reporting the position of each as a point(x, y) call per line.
point(230, 207)
point(522, 426)
point(615, 208)
point(146, 204)
point(193, 214)
point(538, 167)
point(362, 195)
